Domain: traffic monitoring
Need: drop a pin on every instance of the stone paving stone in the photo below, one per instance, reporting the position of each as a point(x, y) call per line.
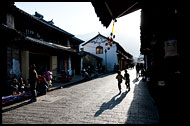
point(92, 102)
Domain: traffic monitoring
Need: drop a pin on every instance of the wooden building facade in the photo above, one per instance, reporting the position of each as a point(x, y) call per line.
point(29, 39)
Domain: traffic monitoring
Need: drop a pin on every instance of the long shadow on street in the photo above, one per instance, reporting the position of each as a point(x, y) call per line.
point(111, 104)
point(142, 109)
point(16, 106)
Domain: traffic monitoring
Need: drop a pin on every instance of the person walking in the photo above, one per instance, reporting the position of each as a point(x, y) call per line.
point(119, 78)
point(137, 70)
point(33, 76)
point(127, 80)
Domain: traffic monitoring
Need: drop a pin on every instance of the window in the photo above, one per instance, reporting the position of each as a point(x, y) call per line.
point(99, 50)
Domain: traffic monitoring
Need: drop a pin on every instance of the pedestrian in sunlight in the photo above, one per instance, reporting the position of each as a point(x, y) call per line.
point(127, 80)
point(119, 78)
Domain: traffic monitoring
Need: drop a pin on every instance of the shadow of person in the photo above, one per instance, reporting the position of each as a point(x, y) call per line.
point(111, 103)
point(16, 106)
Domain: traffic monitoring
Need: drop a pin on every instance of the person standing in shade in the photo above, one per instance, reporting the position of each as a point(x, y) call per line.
point(137, 70)
point(119, 77)
point(33, 76)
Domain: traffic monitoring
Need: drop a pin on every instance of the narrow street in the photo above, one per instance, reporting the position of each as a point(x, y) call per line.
point(92, 102)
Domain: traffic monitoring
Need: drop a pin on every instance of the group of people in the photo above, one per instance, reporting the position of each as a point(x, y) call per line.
point(120, 78)
point(17, 85)
point(88, 70)
point(86, 73)
point(140, 71)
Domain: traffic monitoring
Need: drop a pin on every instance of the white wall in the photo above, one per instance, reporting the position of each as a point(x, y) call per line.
point(111, 53)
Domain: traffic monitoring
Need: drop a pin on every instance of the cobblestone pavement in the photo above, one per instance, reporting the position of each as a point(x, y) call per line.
point(92, 102)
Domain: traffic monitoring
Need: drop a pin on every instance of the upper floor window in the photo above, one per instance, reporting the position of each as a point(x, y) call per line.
point(68, 43)
point(99, 50)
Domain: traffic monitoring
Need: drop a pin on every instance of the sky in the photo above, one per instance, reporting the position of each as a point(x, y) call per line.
point(80, 19)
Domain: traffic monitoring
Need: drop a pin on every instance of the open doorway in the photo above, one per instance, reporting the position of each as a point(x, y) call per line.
point(42, 62)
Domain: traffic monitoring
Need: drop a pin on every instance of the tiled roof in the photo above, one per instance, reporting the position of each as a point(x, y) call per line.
point(42, 21)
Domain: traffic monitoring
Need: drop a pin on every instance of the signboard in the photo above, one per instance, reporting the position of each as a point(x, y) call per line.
point(171, 48)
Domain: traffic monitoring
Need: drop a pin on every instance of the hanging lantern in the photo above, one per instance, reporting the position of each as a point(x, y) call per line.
point(106, 43)
point(109, 43)
point(111, 40)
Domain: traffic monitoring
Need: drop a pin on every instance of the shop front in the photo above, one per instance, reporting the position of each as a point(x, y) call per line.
point(41, 61)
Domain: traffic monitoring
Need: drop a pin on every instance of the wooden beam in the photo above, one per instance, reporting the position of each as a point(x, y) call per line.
point(109, 9)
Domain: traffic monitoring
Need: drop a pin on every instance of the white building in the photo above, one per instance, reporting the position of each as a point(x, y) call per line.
point(140, 59)
point(115, 55)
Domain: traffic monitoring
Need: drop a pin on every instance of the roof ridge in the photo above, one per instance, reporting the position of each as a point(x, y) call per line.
point(43, 21)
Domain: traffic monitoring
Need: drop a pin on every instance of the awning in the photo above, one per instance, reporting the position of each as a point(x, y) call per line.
point(109, 10)
point(84, 53)
point(49, 44)
point(124, 56)
point(27, 41)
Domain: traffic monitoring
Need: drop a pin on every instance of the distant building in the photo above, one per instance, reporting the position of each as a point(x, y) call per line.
point(115, 55)
point(140, 59)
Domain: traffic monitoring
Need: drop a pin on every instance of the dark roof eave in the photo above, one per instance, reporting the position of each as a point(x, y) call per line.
point(109, 10)
point(45, 44)
point(104, 17)
point(52, 45)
